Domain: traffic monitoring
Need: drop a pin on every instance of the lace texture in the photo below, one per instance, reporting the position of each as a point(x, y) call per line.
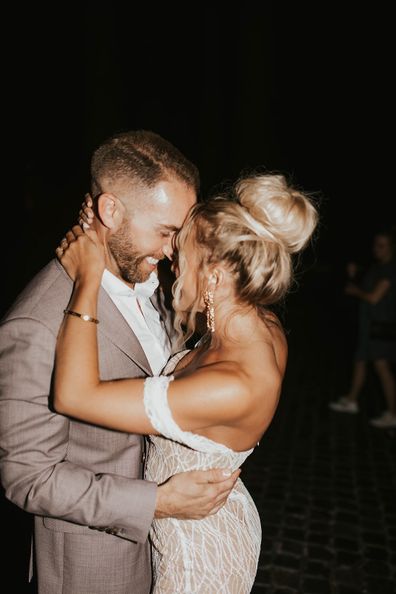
point(216, 555)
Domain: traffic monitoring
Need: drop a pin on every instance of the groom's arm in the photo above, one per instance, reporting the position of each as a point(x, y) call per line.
point(34, 466)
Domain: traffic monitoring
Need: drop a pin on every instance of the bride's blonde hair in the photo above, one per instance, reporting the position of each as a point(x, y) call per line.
point(253, 232)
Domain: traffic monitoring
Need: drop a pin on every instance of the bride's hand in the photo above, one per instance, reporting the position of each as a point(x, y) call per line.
point(81, 254)
point(86, 214)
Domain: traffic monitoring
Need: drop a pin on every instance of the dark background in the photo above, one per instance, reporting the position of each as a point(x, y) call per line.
point(296, 88)
point(302, 89)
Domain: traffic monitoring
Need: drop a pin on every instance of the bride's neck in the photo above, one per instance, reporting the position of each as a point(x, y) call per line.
point(234, 326)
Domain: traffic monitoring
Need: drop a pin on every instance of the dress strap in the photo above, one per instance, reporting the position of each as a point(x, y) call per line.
point(160, 415)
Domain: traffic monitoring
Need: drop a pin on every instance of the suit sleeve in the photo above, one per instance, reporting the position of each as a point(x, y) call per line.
point(35, 472)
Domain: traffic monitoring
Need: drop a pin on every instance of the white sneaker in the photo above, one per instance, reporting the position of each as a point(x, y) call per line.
point(385, 421)
point(344, 404)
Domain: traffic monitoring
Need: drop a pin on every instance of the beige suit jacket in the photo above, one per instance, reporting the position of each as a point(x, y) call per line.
point(82, 482)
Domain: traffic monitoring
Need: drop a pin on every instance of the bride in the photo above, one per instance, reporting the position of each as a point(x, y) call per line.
point(212, 404)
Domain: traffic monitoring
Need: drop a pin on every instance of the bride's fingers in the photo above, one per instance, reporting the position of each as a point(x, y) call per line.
point(84, 220)
point(76, 229)
point(87, 206)
point(70, 237)
point(87, 214)
point(62, 244)
point(78, 232)
point(76, 239)
point(88, 200)
point(83, 224)
point(72, 234)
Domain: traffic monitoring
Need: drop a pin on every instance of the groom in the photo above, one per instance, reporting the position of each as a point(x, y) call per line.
point(84, 483)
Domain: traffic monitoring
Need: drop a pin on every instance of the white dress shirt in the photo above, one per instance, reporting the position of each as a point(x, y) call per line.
point(141, 315)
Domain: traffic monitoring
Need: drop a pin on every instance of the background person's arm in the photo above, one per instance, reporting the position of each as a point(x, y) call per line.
point(374, 296)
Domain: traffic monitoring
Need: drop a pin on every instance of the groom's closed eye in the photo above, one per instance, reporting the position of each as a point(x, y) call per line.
point(168, 230)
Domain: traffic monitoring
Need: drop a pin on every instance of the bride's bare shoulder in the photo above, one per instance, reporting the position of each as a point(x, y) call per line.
point(274, 338)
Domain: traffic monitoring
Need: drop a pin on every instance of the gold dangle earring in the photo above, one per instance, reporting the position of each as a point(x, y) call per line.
point(210, 315)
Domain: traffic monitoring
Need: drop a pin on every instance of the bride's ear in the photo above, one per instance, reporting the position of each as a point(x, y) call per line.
point(110, 210)
point(216, 276)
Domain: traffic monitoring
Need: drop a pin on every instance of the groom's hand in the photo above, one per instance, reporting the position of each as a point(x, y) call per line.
point(194, 495)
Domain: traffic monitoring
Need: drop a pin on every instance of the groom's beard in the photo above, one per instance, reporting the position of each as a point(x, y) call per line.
point(130, 261)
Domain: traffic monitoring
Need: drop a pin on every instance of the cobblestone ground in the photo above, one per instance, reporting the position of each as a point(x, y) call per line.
point(324, 482)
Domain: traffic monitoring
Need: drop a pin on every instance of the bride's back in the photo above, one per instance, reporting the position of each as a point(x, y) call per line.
point(254, 353)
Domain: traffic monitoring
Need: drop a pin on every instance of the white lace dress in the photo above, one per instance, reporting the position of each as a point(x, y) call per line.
point(216, 555)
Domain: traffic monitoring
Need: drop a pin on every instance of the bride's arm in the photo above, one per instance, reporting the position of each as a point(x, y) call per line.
point(205, 398)
point(78, 391)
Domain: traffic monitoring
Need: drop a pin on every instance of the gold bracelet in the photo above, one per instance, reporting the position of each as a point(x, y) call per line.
point(84, 317)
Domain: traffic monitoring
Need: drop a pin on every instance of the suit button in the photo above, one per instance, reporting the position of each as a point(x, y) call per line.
point(143, 458)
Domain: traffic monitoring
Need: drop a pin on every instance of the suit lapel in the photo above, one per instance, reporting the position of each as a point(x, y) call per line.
point(114, 326)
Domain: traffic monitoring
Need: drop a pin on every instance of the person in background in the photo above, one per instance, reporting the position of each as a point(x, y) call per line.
point(376, 340)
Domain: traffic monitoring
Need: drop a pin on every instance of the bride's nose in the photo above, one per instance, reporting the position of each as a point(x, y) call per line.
point(167, 250)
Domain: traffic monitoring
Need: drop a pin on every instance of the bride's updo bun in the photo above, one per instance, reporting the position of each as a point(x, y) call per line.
point(279, 211)
point(253, 231)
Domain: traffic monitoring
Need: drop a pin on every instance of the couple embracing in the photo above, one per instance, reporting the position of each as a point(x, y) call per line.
point(92, 360)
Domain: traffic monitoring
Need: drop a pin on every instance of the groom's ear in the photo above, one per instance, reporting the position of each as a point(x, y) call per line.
point(110, 210)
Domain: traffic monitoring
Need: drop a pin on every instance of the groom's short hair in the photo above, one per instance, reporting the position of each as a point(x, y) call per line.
point(139, 156)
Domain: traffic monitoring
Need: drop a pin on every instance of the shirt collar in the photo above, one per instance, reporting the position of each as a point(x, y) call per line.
point(115, 286)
